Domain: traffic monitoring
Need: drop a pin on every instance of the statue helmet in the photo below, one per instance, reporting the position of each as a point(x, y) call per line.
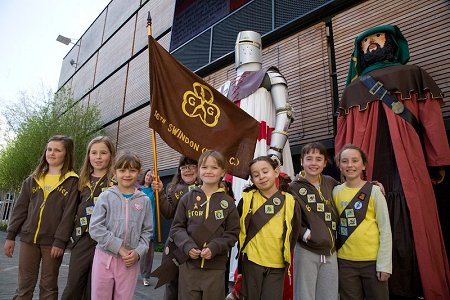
point(248, 48)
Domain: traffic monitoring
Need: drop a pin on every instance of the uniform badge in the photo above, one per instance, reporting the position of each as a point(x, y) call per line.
point(138, 206)
point(361, 196)
point(320, 206)
point(333, 225)
point(344, 231)
point(343, 222)
point(311, 198)
point(198, 198)
point(95, 200)
point(218, 214)
point(276, 201)
point(269, 209)
point(83, 221)
point(89, 210)
point(302, 191)
point(167, 250)
point(191, 187)
point(224, 204)
point(352, 222)
point(358, 205)
point(349, 213)
point(78, 231)
point(195, 206)
point(327, 216)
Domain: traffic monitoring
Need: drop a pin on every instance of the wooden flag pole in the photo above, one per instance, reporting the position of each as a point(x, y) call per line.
point(155, 162)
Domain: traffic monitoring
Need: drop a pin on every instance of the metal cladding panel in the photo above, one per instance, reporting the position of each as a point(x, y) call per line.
point(164, 41)
point(135, 135)
point(83, 80)
point(288, 10)
point(162, 18)
point(67, 70)
point(111, 132)
point(68, 85)
point(116, 51)
point(195, 54)
point(92, 38)
point(220, 76)
point(118, 12)
point(303, 61)
point(109, 96)
point(256, 16)
point(427, 36)
point(137, 82)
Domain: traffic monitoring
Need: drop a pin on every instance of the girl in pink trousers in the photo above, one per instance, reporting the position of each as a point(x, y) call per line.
point(122, 226)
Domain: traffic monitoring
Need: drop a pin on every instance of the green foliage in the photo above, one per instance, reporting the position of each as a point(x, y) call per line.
point(34, 124)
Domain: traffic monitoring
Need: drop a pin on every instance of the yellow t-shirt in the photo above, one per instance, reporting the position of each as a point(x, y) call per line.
point(363, 243)
point(265, 249)
point(372, 239)
point(50, 182)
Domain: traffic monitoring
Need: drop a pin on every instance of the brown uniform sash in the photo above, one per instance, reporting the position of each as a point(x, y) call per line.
point(312, 200)
point(254, 222)
point(353, 214)
point(201, 234)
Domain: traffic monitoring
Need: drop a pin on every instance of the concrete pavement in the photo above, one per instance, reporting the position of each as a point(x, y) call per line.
point(9, 269)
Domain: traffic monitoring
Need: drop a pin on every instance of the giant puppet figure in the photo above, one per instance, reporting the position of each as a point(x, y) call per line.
point(263, 94)
point(393, 112)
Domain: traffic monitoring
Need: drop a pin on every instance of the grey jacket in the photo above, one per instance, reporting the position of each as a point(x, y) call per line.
point(118, 221)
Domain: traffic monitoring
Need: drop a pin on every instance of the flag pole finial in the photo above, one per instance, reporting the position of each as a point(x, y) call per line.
point(149, 23)
point(149, 19)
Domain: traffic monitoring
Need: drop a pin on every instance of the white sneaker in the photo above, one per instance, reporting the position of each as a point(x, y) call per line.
point(146, 281)
point(231, 296)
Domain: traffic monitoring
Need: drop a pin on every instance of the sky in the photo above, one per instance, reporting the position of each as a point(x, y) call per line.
point(30, 56)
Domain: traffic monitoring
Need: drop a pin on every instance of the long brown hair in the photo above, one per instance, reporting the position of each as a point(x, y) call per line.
point(42, 168)
point(87, 169)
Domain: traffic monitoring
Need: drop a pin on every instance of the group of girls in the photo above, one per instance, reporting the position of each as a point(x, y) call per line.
point(107, 226)
point(113, 226)
point(332, 259)
point(313, 214)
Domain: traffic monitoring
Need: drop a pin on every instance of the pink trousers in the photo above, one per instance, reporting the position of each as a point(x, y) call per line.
point(111, 279)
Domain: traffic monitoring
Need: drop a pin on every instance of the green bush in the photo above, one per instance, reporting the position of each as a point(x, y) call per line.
point(35, 124)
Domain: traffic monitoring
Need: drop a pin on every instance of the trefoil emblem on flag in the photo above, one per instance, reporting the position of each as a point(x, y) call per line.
point(199, 103)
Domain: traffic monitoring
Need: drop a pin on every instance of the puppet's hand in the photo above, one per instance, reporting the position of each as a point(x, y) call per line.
point(437, 174)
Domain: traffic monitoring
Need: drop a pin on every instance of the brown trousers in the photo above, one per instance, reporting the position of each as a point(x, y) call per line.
point(358, 280)
point(147, 261)
point(200, 284)
point(78, 285)
point(260, 282)
point(30, 257)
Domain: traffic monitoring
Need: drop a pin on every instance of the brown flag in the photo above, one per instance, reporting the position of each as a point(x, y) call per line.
point(191, 116)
